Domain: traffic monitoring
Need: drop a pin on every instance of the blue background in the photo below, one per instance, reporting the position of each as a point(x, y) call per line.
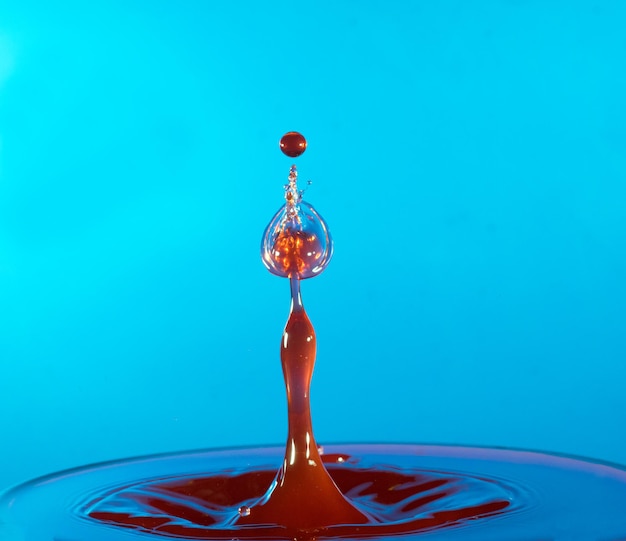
point(470, 158)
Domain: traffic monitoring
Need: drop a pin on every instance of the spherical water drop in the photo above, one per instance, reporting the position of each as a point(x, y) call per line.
point(293, 144)
point(244, 511)
point(296, 243)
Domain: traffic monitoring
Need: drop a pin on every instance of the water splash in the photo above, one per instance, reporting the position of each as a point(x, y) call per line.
point(296, 243)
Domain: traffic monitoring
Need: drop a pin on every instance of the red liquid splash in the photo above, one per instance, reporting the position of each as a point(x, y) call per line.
point(304, 500)
point(296, 243)
point(356, 491)
point(303, 497)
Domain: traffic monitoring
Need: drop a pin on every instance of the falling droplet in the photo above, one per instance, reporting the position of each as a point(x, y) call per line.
point(243, 511)
point(293, 144)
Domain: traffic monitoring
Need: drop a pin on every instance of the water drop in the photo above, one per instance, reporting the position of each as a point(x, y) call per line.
point(293, 144)
point(244, 511)
point(296, 243)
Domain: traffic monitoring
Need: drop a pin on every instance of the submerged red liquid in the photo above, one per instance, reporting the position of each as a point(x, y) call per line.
point(400, 502)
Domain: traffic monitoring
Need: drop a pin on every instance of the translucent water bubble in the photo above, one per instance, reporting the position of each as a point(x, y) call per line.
point(296, 243)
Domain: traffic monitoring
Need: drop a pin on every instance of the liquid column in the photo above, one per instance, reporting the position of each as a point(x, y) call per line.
point(303, 497)
point(301, 501)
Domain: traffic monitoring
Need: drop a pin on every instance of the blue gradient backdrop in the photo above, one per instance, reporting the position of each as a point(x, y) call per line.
point(470, 158)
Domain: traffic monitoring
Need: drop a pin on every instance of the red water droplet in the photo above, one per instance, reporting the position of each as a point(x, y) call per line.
point(293, 144)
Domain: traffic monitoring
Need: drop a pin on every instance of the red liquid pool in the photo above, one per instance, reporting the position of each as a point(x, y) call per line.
point(420, 492)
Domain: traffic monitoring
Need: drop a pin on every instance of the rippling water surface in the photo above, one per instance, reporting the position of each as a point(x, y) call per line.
point(414, 491)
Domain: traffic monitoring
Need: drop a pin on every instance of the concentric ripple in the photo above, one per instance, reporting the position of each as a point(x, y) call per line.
point(398, 501)
point(417, 492)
